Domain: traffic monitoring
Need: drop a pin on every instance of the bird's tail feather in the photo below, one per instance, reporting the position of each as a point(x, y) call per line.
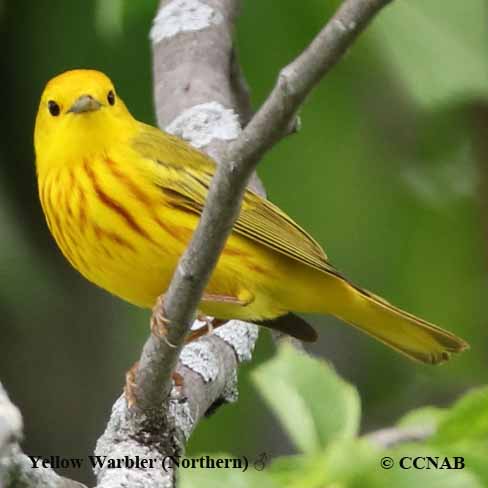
point(400, 330)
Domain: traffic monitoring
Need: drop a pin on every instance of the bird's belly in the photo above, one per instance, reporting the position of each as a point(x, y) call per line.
point(137, 273)
point(114, 241)
point(130, 247)
point(254, 275)
point(126, 275)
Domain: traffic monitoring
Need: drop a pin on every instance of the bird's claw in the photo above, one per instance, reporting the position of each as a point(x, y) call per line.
point(159, 322)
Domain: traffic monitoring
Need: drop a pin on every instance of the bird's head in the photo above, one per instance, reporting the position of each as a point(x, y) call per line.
point(79, 114)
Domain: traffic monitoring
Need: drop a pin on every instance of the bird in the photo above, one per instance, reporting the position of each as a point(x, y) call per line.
point(122, 199)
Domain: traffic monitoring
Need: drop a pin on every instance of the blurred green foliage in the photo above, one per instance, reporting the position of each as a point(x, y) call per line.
point(384, 173)
point(313, 404)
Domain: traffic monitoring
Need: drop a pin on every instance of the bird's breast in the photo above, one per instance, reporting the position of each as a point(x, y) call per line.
point(113, 227)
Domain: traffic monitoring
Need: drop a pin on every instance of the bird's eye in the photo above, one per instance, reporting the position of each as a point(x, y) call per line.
point(111, 97)
point(53, 107)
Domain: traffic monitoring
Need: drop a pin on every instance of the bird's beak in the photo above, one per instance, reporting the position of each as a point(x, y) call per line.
point(85, 103)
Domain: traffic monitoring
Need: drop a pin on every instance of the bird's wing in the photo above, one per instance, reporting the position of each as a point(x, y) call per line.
point(183, 174)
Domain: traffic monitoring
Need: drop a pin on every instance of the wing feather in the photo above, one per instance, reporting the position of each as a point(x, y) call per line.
point(183, 174)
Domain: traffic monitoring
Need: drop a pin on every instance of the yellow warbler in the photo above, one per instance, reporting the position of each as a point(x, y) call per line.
point(122, 199)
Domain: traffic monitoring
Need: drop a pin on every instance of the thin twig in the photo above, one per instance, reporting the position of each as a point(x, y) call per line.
point(394, 436)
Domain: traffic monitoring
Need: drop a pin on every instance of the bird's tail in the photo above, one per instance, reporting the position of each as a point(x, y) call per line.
point(404, 332)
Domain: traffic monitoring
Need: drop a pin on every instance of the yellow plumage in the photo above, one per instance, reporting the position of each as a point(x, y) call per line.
point(122, 199)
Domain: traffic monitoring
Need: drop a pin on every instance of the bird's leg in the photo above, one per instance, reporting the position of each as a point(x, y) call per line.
point(208, 321)
point(159, 322)
point(244, 298)
point(211, 324)
point(159, 328)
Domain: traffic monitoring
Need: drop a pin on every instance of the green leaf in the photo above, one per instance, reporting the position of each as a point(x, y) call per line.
point(475, 456)
point(413, 33)
point(347, 460)
point(467, 421)
point(425, 416)
point(298, 471)
point(312, 402)
point(340, 463)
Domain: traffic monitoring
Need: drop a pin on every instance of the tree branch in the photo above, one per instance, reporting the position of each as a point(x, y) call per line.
point(195, 96)
point(15, 466)
point(269, 124)
point(393, 436)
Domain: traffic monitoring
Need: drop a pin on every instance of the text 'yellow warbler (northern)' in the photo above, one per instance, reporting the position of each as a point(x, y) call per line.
point(122, 199)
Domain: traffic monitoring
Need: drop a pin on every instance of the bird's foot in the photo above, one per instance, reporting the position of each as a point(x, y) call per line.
point(177, 379)
point(159, 322)
point(210, 324)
